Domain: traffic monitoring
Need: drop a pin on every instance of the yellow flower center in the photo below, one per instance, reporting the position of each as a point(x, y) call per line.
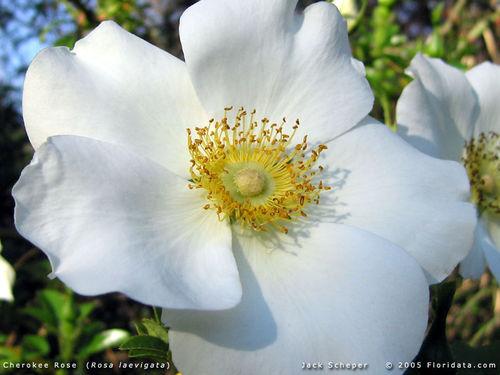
point(250, 182)
point(481, 159)
point(251, 172)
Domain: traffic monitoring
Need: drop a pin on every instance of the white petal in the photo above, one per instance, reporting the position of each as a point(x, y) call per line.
point(262, 55)
point(485, 79)
point(7, 276)
point(113, 221)
point(336, 294)
point(117, 88)
point(385, 186)
point(437, 111)
point(473, 265)
point(493, 226)
point(490, 241)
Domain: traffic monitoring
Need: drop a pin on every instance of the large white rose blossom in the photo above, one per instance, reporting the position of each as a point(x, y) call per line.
point(7, 277)
point(265, 248)
point(453, 115)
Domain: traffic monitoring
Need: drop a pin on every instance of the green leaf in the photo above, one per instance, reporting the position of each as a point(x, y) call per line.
point(10, 354)
point(141, 330)
point(42, 315)
point(66, 41)
point(435, 45)
point(58, 312)
point(58, 305)
point(155, 329)
point(437, 14)
point(102, 341)
point(386, 3)
point(85, 309)
point(49, 311)
point(55, 300)
point(34, 346)
point(90, 329)
point(151, 354)
point(145, 343)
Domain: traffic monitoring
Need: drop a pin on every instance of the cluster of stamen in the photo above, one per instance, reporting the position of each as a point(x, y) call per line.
point(251, 172)
point(481, 159)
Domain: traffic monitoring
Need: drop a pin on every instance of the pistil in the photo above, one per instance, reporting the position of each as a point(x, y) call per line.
point(251, 172)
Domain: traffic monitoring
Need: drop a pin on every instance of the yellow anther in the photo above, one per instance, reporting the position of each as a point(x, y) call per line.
point(251, 171)
point(487, 183)
point(481, 160)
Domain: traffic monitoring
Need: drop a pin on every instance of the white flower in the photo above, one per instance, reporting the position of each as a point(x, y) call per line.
point(456, 116)
point(7, 277)
point(107, 197)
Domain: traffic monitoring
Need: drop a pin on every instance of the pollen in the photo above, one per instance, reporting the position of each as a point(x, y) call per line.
point(481, 160)
point(252, 172)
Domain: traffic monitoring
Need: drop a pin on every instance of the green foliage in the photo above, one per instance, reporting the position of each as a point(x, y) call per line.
point(153, 328)
point(146, 346)
point(151, 342)
point(61, 320)
point(109, 338)
point(386, 50)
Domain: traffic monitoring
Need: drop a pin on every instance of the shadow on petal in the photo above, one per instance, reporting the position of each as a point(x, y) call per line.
point(233, 328)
